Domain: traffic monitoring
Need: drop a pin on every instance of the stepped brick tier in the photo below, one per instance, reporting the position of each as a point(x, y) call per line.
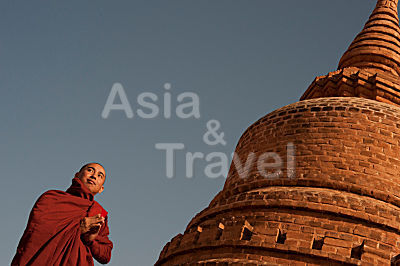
point(377, 46)
point(370, 68)
point(335, 197)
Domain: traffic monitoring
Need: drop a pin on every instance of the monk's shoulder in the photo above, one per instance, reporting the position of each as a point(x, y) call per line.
point(51, 195)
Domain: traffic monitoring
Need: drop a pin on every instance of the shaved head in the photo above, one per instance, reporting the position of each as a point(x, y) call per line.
point(83, 167)
point(93, 176)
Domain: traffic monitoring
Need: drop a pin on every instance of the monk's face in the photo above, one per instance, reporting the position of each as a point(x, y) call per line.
point(93, 177)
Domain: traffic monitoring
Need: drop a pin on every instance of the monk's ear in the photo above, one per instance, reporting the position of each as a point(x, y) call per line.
point(77, 174)
point(101, 189)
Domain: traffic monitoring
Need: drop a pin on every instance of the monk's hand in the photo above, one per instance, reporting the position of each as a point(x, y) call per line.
point(91, 225)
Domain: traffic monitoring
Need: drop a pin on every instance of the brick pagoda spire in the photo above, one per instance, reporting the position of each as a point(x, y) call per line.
point(335, 199)
point(370, 68)
point(377, 46)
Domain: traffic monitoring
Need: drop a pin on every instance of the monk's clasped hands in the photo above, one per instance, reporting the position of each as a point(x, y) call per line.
point(91, 225)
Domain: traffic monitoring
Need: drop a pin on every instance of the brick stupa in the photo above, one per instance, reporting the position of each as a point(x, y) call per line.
point(340, 204)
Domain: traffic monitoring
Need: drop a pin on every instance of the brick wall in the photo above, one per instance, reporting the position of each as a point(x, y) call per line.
point(341, 206)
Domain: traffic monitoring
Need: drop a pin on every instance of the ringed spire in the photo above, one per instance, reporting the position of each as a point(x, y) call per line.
point(377, 46)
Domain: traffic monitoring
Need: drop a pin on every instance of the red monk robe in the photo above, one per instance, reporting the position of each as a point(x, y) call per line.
point(53, 236)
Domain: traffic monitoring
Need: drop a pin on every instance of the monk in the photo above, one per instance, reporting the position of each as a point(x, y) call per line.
point(68, 227)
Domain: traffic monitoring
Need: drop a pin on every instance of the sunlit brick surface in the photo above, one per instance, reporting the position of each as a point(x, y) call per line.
point(340, 204)
point(345, 191)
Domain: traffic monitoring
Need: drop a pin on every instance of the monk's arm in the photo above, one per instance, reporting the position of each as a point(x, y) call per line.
point(101, 246)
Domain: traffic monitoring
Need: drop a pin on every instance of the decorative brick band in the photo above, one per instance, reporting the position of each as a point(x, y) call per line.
point(342, 206)
point(355, 82)
point(339, 201)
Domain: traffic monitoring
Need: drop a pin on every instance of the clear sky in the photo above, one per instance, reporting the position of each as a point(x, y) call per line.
point(59, 61)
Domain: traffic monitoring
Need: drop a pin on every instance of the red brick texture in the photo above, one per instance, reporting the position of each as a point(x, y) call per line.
point(340, 203)
point(355, 82)
point(377, 46)
point(370, 68)
point(345, 192)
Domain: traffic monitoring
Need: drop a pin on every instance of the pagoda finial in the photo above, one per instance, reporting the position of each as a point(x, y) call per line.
point(377, 47)
point(388, 3)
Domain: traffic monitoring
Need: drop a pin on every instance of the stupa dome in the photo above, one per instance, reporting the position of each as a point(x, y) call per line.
point(328, 189)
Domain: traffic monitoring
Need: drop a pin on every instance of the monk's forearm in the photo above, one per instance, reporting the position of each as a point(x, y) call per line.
point(99, 244)
point(101, 251)
point(87, 238)
point(100, 247)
